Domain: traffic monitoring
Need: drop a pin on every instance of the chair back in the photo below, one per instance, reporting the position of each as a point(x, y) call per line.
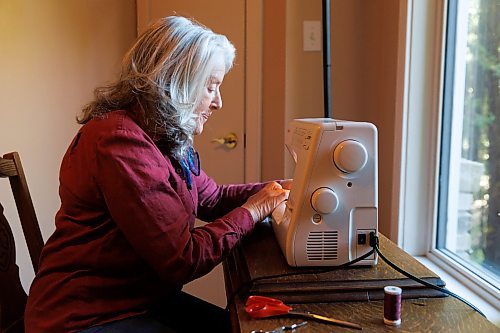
point(11, 167)
point(12, 295)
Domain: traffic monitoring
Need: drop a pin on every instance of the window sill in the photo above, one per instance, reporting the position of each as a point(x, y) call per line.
point(463, 290)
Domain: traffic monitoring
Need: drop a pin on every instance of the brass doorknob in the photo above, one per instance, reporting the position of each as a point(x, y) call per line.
point(230, 140)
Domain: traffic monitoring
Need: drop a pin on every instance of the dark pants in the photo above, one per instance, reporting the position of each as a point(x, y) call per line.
point(182, 313)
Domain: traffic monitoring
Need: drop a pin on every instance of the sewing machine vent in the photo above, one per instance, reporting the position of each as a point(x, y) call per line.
point(322, 245)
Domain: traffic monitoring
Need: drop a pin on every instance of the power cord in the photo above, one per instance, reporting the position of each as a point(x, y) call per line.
point(317, 271)
point(374, 243)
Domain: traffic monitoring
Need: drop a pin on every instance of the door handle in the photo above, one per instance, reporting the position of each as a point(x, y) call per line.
point(230, 140)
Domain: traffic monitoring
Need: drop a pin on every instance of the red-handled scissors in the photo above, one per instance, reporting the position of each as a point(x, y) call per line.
point(263, 307)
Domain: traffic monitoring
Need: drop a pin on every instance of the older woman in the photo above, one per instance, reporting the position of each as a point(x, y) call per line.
point(131, 187)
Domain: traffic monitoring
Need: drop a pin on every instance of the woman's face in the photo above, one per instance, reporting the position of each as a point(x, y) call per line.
point(210, 99)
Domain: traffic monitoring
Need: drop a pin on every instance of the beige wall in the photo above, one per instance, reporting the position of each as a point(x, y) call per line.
point(365, 41)
point(53, 54)
point(273, 88)
point(365, 48)
point(304, 70)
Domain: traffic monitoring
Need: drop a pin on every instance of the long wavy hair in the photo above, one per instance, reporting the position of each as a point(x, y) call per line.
point(163, 76)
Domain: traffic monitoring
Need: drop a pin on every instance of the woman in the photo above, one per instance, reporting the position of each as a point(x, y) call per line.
point(131, 187)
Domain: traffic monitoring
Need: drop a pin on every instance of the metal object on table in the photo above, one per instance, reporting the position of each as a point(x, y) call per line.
point(326, 319)
point(263, 307)
point(282, 329)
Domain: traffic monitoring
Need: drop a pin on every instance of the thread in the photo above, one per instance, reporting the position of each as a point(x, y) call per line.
point(392, 305)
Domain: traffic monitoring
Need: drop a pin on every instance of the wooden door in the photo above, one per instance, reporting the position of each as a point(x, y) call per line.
point(223, 164)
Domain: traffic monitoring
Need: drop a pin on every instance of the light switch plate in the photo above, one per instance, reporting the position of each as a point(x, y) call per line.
point(312, 36)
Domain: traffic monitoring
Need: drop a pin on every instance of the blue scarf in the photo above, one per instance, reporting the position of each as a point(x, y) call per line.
point(190, 164)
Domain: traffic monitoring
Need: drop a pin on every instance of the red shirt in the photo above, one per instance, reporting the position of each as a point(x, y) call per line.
point(125, 234)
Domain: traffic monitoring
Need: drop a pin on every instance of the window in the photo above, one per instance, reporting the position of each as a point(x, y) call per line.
point(468, 218)
point(445, 118)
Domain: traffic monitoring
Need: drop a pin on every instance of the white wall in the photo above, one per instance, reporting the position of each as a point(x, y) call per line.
point(52, 55)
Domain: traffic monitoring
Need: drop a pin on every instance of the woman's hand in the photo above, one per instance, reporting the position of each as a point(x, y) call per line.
point(262, 203)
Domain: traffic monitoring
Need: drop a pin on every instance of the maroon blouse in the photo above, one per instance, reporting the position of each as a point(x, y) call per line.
point(125, 234)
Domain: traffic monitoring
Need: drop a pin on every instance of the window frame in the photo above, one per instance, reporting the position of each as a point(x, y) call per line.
point(416, 187)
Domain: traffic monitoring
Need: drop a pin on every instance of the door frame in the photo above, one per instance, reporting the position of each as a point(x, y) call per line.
point(252, 114)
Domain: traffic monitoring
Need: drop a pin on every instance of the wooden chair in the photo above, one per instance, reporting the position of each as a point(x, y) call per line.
point(12, 295)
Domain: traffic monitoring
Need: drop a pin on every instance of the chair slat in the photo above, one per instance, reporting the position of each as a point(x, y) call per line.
point(7, 168)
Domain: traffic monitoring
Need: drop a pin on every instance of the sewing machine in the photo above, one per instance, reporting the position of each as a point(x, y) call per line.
point(332, 207)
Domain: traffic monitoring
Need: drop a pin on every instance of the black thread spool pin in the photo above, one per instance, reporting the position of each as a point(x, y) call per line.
point(392, 305)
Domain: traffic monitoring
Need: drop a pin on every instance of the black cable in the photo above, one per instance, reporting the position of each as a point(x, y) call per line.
point(374, 242)
point(318, 271)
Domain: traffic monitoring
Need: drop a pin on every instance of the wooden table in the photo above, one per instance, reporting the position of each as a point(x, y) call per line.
point(350, 294)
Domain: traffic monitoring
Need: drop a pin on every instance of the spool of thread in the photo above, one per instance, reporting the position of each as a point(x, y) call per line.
point(392, 305)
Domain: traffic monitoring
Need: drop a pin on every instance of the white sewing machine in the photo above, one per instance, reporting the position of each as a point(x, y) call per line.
point(332, 207)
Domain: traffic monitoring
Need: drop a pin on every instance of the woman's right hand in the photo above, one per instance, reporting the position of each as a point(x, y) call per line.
point(262, 203)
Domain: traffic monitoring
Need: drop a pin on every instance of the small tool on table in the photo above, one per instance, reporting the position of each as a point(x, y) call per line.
point(263, 307)
point(282, 329)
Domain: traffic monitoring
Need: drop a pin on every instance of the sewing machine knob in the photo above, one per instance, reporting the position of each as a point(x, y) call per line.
point(324, 200)
point(350, 156)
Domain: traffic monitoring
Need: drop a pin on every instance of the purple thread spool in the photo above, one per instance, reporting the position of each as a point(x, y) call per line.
point(392, 305)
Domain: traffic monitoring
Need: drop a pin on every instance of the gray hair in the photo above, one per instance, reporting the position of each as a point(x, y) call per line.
point(163, 76)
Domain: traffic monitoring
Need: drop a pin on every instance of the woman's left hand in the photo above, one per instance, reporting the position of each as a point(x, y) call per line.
point(262, 203)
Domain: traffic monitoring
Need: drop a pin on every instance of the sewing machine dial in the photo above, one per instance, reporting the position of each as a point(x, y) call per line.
point(324, 200)
point(350, 156)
